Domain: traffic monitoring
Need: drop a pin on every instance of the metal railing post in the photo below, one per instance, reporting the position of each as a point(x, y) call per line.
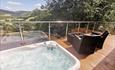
point(78, 27)
point(1, 33)
point(66, 30)
point(49, 33)
point(94, 27)
point(87, 27)
point(21, 32)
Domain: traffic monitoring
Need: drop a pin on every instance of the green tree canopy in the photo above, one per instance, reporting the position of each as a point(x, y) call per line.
point(98, 10)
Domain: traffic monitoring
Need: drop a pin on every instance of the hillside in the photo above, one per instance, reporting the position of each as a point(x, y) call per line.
point(13, 13)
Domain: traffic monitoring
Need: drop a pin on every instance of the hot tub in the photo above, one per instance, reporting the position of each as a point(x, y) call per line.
point(40, 56)
point(14, 40)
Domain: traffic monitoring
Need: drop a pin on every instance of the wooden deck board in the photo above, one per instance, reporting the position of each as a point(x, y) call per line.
point(98, 60)
point(108, 63)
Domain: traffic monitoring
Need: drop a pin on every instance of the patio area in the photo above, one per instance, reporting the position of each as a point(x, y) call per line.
point(57, 34)
point(102, 59)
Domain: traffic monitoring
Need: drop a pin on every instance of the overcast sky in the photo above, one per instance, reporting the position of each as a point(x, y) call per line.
point(17, 5)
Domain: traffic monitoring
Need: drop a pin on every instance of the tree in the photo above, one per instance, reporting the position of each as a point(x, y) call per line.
point(40, 15)
point(98, 10)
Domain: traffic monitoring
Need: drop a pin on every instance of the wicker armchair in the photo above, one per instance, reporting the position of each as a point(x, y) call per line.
point(70, 36)
point(85, 44)
point(101, 39)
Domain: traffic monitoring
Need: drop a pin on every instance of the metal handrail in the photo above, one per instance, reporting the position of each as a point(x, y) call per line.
point(21, 22)
point(49, 22)
point(55, 21)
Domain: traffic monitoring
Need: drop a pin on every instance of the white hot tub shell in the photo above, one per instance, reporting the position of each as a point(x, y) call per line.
point(6, 53)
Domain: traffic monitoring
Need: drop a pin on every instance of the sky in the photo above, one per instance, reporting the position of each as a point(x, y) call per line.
point(21, 5)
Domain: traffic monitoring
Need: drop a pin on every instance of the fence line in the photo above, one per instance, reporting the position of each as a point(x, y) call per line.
point(52, 21)
point(49, 22)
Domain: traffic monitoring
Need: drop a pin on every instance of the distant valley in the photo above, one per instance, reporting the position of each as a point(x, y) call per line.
point(14, 13)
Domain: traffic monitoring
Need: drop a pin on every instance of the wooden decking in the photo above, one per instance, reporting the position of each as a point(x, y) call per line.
point(108, 63)
point(102, 59)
